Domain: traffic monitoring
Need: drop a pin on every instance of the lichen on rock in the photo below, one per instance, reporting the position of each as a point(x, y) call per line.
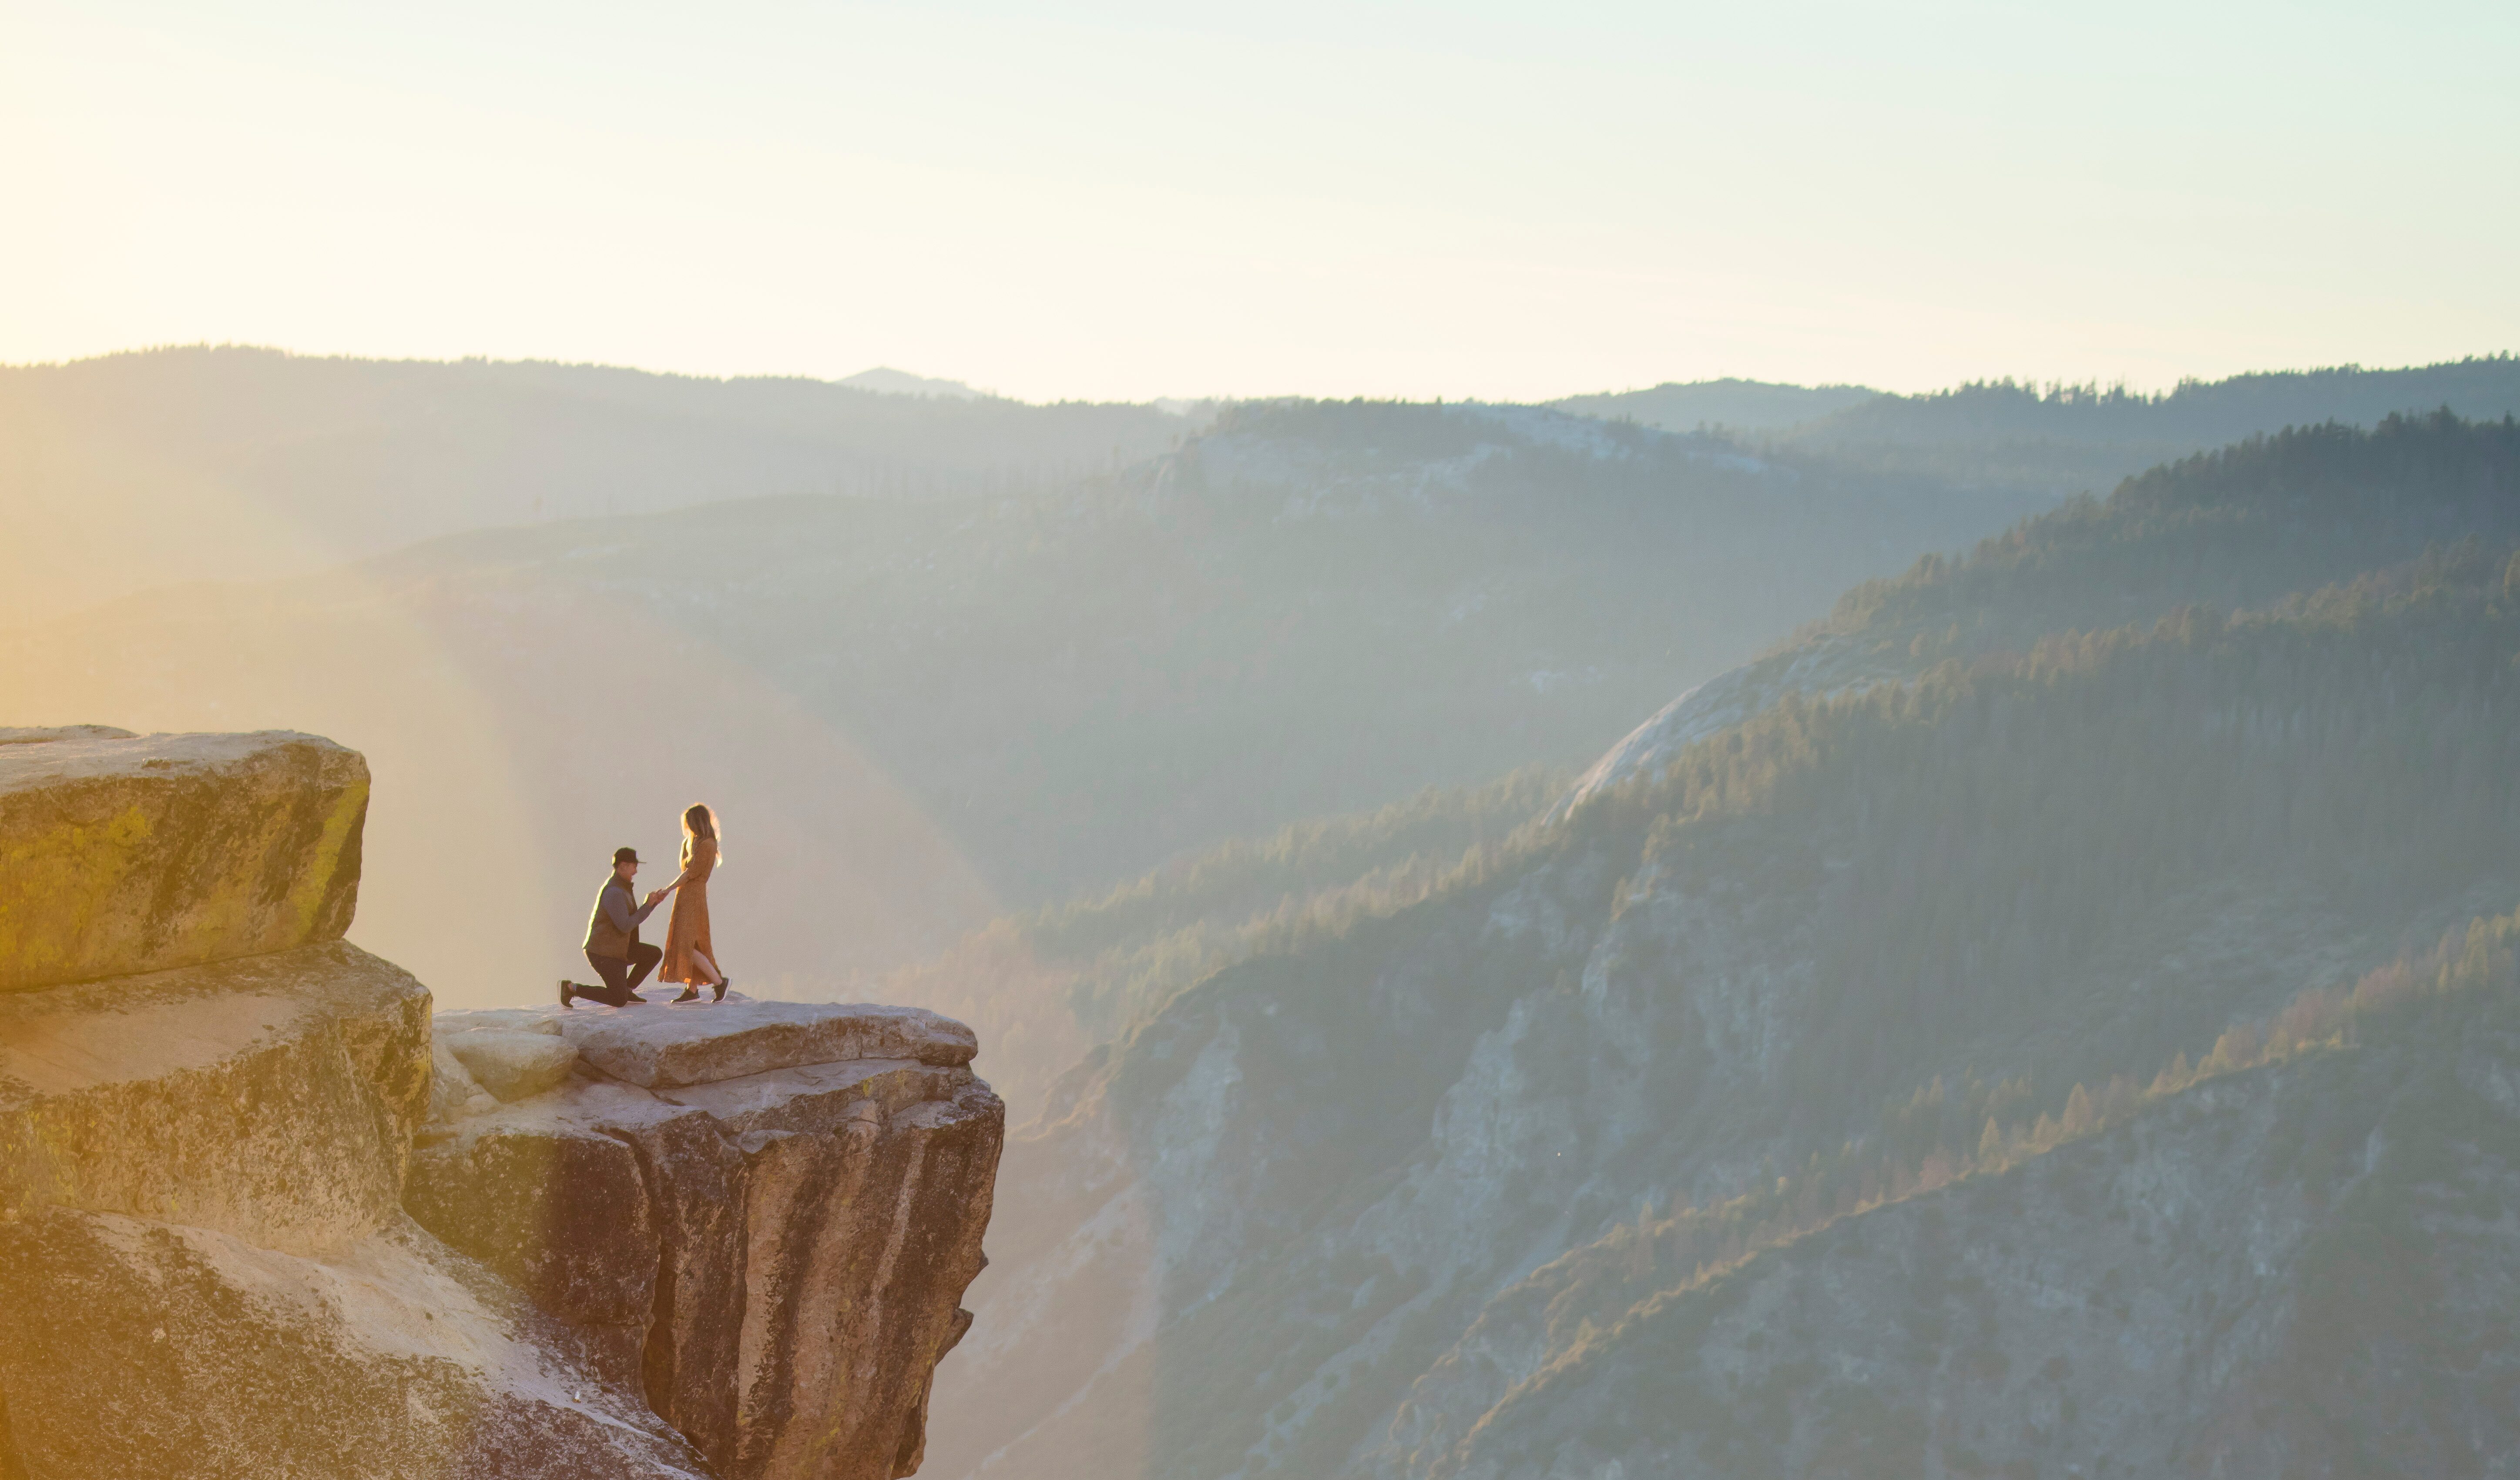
point(122, 854)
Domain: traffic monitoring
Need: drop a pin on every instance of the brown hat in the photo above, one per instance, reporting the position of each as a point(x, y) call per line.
point(625, 855)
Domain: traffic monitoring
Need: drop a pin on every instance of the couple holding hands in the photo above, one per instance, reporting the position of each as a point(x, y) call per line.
point(613, 945)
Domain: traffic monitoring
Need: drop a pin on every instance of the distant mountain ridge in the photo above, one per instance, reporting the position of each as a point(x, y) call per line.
point(1733, 405)
point(886, 380)
point(2057, 438)
point(231, 463)
point(2064, 438)
point(2208, 412)
point(235, 463)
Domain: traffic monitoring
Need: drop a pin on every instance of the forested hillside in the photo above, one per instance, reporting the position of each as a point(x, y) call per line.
point(2064, 439)
point(2238, 527)
point(1058, 982)
point(1966, 852)
point(1860, 942)
point(2318, 1202)
point(2054, 438)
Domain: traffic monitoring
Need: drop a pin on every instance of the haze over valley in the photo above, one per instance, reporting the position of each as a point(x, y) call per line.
point(990, 687)
point(1097, 741)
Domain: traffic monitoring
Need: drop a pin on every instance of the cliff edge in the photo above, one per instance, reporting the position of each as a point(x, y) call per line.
point(265, 1215)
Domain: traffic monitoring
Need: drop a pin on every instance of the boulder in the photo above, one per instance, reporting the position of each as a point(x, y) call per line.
point(658, 1047)
point(452, 1092)
point(122, 854)
point(514, 1065)
point(272, 1098)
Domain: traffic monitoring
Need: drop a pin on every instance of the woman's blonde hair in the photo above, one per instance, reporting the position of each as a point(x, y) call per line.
point(699, 822)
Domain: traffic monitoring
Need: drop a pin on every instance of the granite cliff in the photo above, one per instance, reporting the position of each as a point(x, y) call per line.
point(266, 1216)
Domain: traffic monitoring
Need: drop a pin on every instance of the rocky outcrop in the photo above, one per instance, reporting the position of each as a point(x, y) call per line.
point(1823, 665)
point(138, 853)
point(768, 1239)
point(745, 1265)
point(209, 1270)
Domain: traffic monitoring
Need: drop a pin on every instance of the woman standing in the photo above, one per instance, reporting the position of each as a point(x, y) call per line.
point(690, 955)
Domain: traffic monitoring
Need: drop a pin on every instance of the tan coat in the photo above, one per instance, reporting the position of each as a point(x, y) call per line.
point(689, 929)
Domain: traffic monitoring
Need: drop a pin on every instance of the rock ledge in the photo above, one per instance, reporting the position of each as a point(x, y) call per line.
point(762, 1215)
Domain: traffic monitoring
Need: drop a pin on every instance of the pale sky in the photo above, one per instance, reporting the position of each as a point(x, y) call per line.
point(1113, 200)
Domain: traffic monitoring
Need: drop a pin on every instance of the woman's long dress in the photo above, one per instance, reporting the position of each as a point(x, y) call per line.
point(689, 929)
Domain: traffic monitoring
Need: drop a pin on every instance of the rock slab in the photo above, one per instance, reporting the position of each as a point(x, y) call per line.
point(657, 1047)
point(122, 854)
point(139, 1348)
point(272, 1098)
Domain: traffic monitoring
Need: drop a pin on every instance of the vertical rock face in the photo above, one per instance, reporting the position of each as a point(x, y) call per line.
point(225, 1258)
point(122, 853)
point(775, 1255)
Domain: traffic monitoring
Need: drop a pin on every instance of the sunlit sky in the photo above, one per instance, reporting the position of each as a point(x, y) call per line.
point(1118, 200)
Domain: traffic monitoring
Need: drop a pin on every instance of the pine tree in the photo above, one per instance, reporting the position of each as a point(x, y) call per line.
point(2079, 1119)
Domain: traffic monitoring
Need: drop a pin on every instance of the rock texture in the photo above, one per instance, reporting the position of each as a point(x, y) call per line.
point(659, 1050)
point(123, 854)
point(271, 1098)
point(137, 1347)
point(774, 1256)
point(2238, 1285)
point(514, 1067)
point(746, 1265)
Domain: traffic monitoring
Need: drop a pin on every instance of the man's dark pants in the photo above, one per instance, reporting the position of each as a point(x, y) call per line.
point(621, 978)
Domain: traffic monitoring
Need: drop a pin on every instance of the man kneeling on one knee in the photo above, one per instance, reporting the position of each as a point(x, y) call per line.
point(613, 945)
